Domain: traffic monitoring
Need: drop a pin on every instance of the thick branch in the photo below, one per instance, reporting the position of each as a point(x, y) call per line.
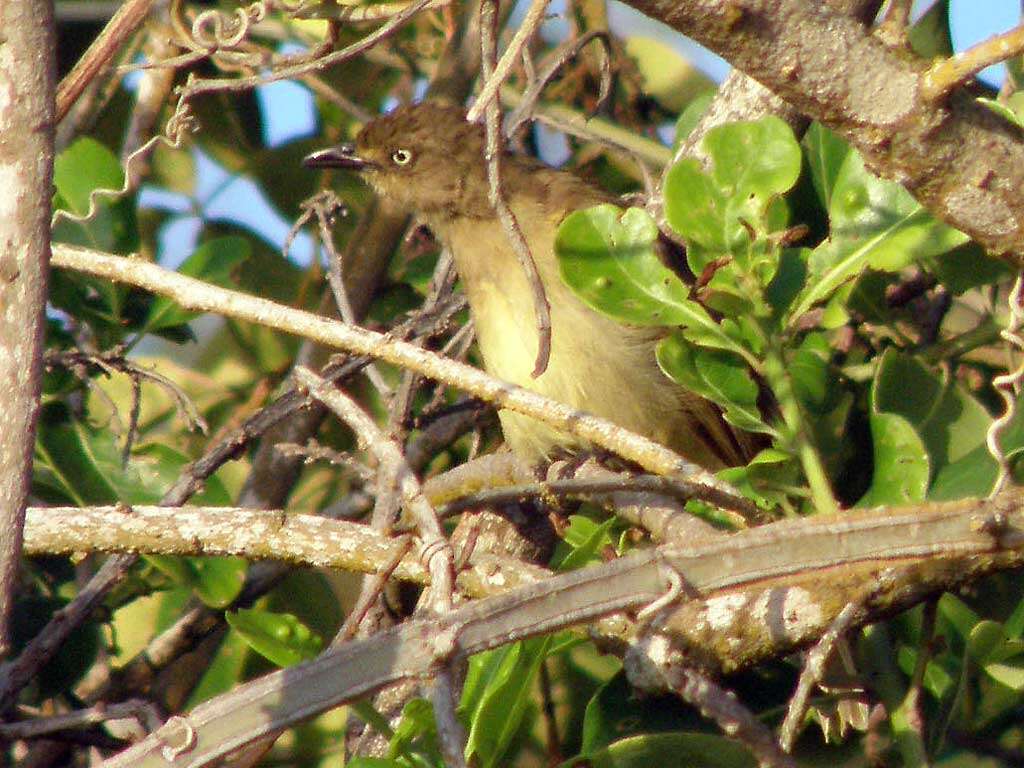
point(27, 81)
point(961, 161)
point(958, 539)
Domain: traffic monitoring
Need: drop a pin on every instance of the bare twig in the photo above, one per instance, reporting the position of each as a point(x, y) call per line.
point(814, 670)
point(722, 706)
point(371, 591)
point(123, 24)
point(499, 72)
point(945, 75)
point(565, 54)
point(892, 29)
point(492, 111)
point(136, 709)
point(394, 472)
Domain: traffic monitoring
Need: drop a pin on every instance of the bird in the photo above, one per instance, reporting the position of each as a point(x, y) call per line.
point(428, 160)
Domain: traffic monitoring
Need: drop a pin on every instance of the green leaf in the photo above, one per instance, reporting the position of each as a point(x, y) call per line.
point(957, 617)
point(280, 637)
point(668, 750)
point(213, 262)
point(900, 463)
point(609, 258)
point(754, 161)
point(719, 376)
point(76, 654)
point(813, 380)
point(224, 671)
point(699, 211)
point(950, 422)
point(217, 581)
point(691, 116)
point(496, 696)
point(967, 266)
point(929, 35)
point(1008, 673)
point(826, 153)
point(416, 734)
point(753, 164)
point(984, 639)
point(874, 223)
point(615, 712)
point(82, 465)
point(586, 540)
point(85, 166)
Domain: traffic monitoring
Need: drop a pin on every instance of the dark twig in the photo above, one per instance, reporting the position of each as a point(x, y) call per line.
point(492, 117)
point(552, 67)
point(814, 670)
point(394, 472)
point(123, 24)
point(139, 710)
point(722, 706)
point(372, 589)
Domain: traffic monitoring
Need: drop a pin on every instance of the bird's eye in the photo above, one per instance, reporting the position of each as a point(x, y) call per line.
point(401, 157)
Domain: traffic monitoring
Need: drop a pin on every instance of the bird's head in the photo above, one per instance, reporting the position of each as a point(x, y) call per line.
point(425, 158)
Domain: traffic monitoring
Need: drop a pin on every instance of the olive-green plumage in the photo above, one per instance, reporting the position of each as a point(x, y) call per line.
point(430, 161)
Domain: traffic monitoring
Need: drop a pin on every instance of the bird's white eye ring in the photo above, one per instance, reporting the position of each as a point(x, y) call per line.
point(401, 157)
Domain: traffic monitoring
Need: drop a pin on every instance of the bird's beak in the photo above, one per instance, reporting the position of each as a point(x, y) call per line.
point(340, 156)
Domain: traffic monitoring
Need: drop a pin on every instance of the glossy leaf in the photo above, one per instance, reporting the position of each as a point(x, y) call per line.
point(719, 376)
point(900, 463)
point(83, 167)
point(610, 259)
point(949, 420)
point(280, 637)
point(213, 262)
point(217, 581)
point(874, 223)
point(496, 696)
point(79, 464)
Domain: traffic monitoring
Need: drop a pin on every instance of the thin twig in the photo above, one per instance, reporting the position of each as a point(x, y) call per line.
point(395, 472)
point(943, 76)
point(199, 296)
point(892, 29)
point(722, 706)
point(559, 59)
point(499, 72)
point(371, 591)
point(814, 670)
point(492, 111)
point(120, 27)
point(137, 709)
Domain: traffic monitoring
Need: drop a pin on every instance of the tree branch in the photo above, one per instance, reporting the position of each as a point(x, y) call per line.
point(198, 296)
point(28, 72)
point(960, 160)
